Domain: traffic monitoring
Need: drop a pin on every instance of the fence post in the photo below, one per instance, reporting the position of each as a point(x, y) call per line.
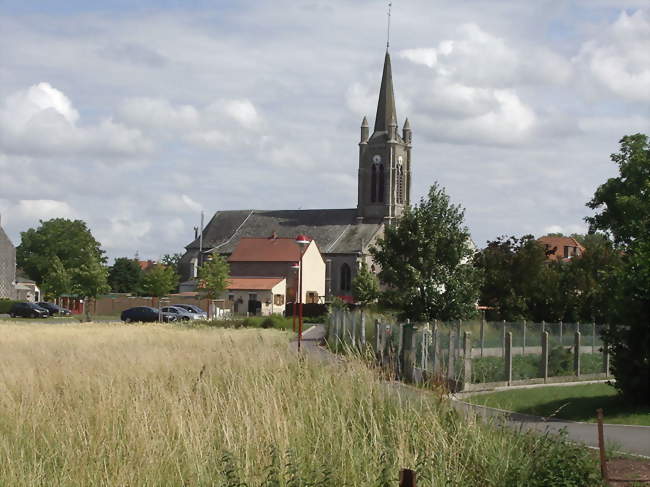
point(606, 359)
point(544, 361)
point(458, 338)
point(503, 339)
point(353, 326)
point(407, 478)
point(561, 333)
point(543, 326)
point(363, 330)
point(424, 355)
point(435, 347)
point(508, 357)
point(450, 356)
point(467, 359)
point(408, 352)
point(378, 341)
point(576, 356)
point(482, 333)
point(523, 342)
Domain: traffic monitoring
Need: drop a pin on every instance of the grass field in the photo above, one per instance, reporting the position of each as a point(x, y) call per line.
point(577, 403)
point(117, 404)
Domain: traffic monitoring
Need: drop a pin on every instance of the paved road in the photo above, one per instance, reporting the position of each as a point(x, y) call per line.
point(627, 439)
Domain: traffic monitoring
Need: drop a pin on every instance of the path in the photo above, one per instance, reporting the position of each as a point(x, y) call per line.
point(627, 439)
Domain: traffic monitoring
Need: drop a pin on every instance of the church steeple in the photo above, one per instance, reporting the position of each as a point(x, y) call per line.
point(384, 159)
point(386, 115)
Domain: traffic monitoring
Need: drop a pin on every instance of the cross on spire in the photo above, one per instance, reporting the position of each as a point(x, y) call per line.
point(390, 4)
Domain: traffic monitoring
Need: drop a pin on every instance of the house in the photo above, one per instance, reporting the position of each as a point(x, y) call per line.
point(7, 266)
point(27, 290)
point(264, 275)
point(561, 248)
point(344, 235)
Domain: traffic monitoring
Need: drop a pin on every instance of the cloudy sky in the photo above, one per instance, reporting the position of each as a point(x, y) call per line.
point(137, 115)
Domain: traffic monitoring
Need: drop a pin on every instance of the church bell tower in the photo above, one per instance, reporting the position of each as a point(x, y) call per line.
point(384, 159)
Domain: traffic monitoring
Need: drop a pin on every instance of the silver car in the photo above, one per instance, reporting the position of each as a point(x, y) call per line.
point(181, 314)
point(190, 308)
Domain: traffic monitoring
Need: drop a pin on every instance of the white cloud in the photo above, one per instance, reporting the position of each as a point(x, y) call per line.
point(42, 120)
point(28, 210)
point(158, 113)
point(619, 58)
point(243, 111)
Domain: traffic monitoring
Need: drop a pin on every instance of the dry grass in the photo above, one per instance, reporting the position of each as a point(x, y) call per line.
point(116, 404)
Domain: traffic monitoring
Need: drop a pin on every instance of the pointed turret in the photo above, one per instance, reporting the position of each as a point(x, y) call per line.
point(386, 115)
point(364, 130)
point(406, 132)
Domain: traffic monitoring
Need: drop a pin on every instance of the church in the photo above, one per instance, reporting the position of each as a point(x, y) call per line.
point(343, 236)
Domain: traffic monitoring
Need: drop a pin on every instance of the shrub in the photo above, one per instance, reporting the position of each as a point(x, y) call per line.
point(560, 361)
point(5, 305)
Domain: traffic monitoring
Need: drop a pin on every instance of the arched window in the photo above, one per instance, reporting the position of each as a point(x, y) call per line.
point(346, 278)
point(380, 183)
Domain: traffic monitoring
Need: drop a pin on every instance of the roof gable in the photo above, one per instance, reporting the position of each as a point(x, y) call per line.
point(270, 249)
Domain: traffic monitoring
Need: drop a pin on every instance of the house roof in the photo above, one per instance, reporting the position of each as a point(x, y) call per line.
point(558, 243)
point(271, 249)
point(337, 231)
point(254, 283)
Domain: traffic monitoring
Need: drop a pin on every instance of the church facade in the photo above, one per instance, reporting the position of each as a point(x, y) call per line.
point(343, 236)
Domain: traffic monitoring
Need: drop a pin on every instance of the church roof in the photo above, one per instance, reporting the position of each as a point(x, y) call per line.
point(336, 231)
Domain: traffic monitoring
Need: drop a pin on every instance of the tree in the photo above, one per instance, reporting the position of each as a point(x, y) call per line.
point(69, 240)
point(58, 280)
point(623, 205)
point(159, 281)
point(124, 275)
point(214, 276)
point(173, 261)
point(90, 281)
point(425, 261)
point(365, 286)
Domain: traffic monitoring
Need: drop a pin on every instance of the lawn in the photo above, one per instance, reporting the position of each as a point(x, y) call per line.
point(576, 403)
point(160, 404)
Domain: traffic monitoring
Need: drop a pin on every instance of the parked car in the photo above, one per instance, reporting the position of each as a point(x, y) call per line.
point(181, 313)
point(28, 310)
point(145, 314)
point(202, 315)
point(54, 309)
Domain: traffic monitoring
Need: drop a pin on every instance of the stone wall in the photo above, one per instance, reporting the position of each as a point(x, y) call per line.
point(7, 267)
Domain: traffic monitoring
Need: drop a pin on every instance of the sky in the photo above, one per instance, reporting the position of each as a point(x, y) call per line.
point(135, 116)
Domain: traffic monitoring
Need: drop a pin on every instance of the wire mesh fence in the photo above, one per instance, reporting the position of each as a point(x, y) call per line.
point(473, 352)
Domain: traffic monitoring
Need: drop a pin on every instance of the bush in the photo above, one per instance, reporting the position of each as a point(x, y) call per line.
point(5, 305)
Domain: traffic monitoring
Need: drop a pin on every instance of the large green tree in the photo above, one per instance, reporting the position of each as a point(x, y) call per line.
point(125, 275)
point(90, 281)
point(425, 261)
point(622, 207)
point(214, 276)
point(159, 281)
point(68, 240)
point(57, 281)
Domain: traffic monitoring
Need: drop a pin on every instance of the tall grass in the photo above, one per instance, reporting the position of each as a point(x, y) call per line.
point(161, 405)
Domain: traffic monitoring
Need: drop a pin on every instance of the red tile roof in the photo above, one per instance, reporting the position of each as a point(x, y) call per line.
point(559, 243)
point(266, 250)
point(254, 283)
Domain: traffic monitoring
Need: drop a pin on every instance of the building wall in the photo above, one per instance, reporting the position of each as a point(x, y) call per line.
point(240, 299)
point(313, 274)
point(7, 267)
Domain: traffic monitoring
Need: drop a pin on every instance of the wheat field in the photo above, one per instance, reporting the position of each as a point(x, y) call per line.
point(116, 404)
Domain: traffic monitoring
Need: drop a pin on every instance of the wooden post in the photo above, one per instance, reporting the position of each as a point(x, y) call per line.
point(601, 445)
point(482, 333)
point(435, 358)
point(407, 478)
point(467, 359)
point(523, 341)
point(576, 355)
point(544, 361)
point(508, 357)
point(450, 356)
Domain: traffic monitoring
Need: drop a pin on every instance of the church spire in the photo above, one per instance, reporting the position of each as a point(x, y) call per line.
point(386, 106)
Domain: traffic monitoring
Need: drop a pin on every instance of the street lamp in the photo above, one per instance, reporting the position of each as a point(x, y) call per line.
point(303, 241)
point(295, 267)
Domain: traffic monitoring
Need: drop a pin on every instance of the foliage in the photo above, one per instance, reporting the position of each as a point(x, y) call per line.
point(365, 286)
point(214, 276)
point(124, 275)
point(69, 240)
point(5, 305)
point(57, 281)
point(623, 205)
point(173, 261)
point(159, 281)
point(424, 260)
point(90, 281)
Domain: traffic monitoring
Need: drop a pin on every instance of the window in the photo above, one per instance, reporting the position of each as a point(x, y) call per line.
point(312, 297)
point(346, 278)
point(399, 183)
point(566, 251)
point(278, 300)
point(377, 183)
point(231, 297)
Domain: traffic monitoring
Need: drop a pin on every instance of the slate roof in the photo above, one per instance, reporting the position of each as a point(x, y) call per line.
point(336, 231)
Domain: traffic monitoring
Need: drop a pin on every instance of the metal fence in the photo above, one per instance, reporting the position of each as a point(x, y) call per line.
point(474, 354)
